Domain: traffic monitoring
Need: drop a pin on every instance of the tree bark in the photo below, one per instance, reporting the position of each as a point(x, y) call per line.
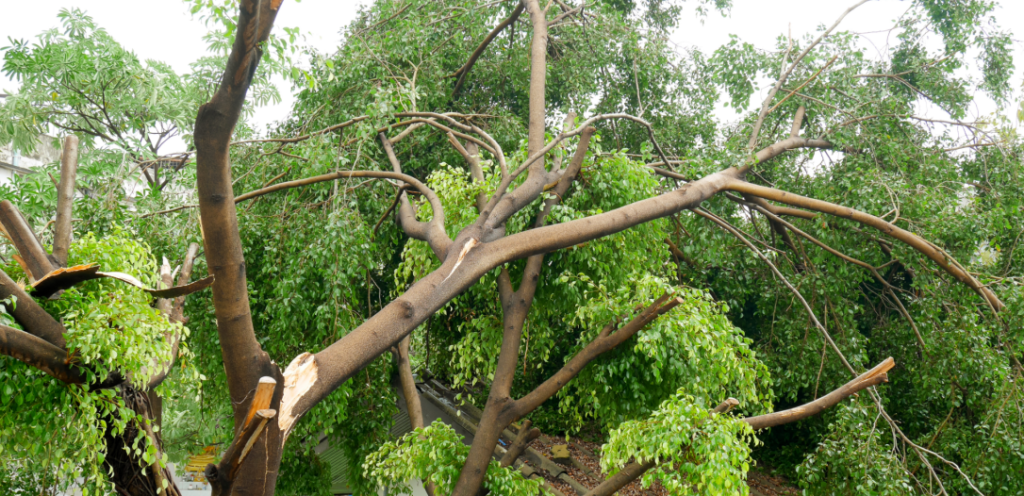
point(31, 254)
point(65, 200)
point(245, 362)
point(32, 317)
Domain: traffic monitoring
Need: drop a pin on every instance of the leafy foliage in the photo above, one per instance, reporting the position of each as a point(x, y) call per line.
point(435, 453)
point(700, 452)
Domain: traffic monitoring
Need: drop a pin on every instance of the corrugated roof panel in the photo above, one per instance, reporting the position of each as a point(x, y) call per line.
point(400, 425)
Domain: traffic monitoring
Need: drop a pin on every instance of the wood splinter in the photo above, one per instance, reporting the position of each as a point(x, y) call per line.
point(251, 433)
point(261, 400)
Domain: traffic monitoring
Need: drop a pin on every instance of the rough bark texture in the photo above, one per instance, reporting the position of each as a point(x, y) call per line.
point(129, 473)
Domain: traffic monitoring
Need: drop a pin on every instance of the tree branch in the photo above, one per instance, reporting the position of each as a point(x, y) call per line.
point(916, 242)
point(65, 200)
point(245, 362)
point(31, 254)
point(464, 70)
point(433, 231)
point(39, 354)
point(32, 317)
point(870, 378)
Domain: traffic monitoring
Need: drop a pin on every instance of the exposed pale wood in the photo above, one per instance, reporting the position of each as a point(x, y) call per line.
point(249, 435)
point(261, 398)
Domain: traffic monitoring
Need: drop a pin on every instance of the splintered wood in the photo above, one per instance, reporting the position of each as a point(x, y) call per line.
point(299, 377)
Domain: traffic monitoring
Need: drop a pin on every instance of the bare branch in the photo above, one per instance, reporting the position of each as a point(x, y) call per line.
point(916, 242)
point(31, 254)
point(464, 70)
point(65, 200)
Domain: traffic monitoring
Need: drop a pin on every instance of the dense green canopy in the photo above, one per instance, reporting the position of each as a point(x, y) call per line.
point(323, 258)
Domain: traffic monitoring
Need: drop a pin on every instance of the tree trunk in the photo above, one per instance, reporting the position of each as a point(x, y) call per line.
point(130, 474)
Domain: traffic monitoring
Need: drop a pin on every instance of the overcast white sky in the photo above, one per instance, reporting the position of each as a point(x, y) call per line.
point(163, 29)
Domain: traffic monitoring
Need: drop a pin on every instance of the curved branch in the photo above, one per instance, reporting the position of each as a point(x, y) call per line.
point(245, 361)
point(781, 147)
point(432, 232)
point(433, 123)
point(916, 242)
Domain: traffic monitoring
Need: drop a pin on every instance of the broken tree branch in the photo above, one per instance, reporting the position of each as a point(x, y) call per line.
point(873, 377)
point(65, 200)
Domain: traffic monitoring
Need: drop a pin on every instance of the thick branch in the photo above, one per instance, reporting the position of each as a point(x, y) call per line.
point(781, 147)
point(870, 378)
point(39, 354)
point(433, 231)
point(29, 314)
point(538, 80)
point(244, 359)
point(31, 254)
point(515, 308)
point(607, 340)
point(384, 329)
point(65, 200)
point(408, 383)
